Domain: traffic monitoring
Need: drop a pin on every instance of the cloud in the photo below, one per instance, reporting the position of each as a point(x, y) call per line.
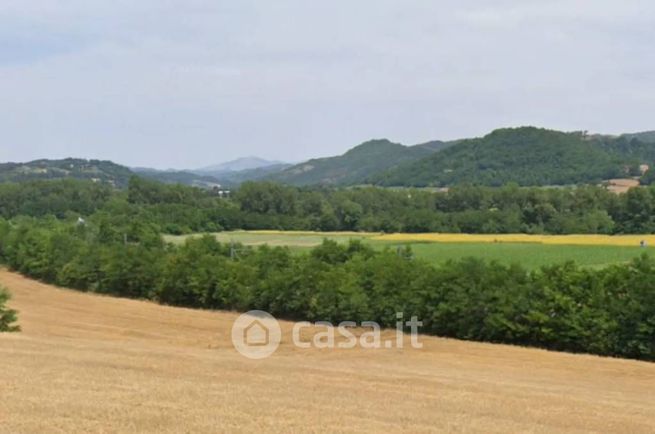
point(173, 83)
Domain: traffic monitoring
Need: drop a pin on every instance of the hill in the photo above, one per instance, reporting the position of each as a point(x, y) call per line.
point(238, 165)
point(205, 180)
point(233, 173)
point(259, 173)
point(166, 369)
point(178, 177)
point(75, 168)
point(646, 136)
point(527, 156)
point(356, 165)
point(97, 171)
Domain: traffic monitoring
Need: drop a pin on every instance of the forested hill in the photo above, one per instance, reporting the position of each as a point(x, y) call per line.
point(356, 165)
point(527, 156)
point(646, 136)
point(178, 177)
point(74, 168)
point(104, 172)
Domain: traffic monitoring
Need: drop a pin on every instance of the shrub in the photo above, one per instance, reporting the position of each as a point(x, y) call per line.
point(7, 316)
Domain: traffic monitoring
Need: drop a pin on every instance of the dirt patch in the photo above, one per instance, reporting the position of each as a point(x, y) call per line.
point(622, 185)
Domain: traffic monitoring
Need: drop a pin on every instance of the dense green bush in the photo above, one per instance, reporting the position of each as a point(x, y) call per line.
point(7, 316)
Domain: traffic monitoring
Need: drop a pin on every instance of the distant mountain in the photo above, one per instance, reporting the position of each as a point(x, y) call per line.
point(527, 156)
point(356, 165)
point(178, 177)
point(97, 171)
point(240, 164)
point(119, 176)
point(75, 168)
point(232, 179)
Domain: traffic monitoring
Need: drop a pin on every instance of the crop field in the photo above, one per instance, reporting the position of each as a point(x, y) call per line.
point(578, 240)
point(282, 238)
point(532, 251)
point(89, 363)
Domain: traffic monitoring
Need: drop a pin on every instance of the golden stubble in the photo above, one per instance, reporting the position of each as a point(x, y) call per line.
point(88, 363)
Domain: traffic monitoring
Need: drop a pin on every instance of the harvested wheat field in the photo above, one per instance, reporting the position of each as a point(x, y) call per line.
point(87, 363)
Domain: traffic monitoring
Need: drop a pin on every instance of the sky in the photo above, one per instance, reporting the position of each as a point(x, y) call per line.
point(189, 83)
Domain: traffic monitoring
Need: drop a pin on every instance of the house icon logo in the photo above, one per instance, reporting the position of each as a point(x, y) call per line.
point(256, 334)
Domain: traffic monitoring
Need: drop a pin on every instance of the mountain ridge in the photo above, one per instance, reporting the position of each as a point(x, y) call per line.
point(523, 155)
point(355, 165)
point(236, 165)
point(526, 156)
point(75, 168)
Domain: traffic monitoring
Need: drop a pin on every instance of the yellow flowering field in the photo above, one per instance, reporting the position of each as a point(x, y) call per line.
point(582, 240)
point(314, 237)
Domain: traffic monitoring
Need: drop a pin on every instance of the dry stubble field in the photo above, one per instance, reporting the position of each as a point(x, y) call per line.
point(87, 363)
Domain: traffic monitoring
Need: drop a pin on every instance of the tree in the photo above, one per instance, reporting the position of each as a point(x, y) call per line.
point(7, 316)
point(648, 178)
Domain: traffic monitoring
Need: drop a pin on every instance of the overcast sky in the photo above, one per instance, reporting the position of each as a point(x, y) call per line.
point(188, 83)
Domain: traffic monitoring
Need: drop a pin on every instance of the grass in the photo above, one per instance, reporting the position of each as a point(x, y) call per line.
point(531, 251)
point(89, 363)
point(292, 239)
point(529, 255)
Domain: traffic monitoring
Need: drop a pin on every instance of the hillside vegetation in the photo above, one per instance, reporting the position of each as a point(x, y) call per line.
point(69, 168)
point(527, 156)
point(179, 177)
point(356, 165)
point(233, 173)
point(646, 136)
point(235, 178)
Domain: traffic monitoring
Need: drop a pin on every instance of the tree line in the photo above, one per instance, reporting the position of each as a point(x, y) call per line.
point(610, 311)
point(177, 209)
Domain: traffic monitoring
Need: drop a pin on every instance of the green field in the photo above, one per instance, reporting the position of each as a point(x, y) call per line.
point(292, 239)
point(529, 255)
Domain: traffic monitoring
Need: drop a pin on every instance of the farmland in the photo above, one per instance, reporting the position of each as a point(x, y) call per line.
point(531, 251)
point(89, 363)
